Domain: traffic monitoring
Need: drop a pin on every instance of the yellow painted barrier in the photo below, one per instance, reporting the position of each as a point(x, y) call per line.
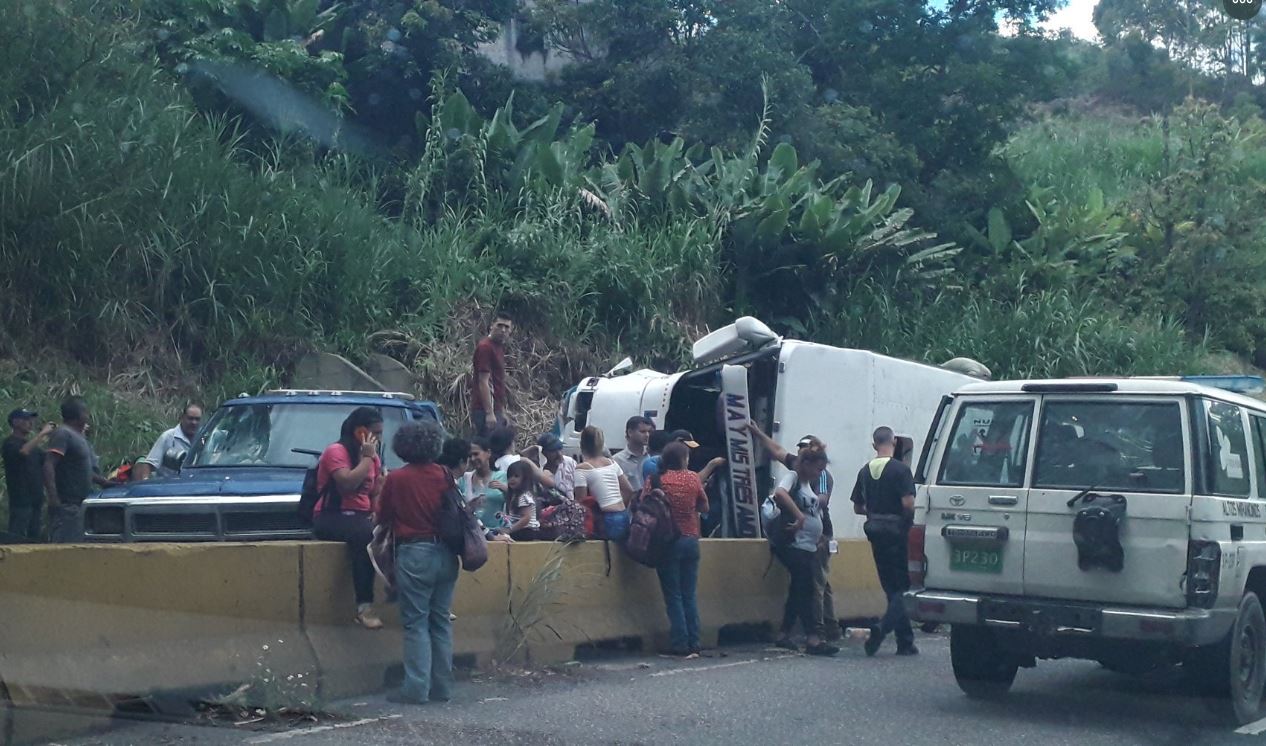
point(352, 659)
point(134, 619)
point(79, 621)
point(855, 583)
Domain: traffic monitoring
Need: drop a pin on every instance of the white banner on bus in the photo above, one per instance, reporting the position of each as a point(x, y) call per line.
point(745, 505)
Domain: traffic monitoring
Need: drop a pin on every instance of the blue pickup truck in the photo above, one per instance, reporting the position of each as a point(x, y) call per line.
point(241, 479)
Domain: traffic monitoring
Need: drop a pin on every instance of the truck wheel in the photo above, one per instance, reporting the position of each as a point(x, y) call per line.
point(981, 668)
point(1234, 670)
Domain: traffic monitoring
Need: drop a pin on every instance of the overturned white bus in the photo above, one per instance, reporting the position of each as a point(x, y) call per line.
point(789, 388)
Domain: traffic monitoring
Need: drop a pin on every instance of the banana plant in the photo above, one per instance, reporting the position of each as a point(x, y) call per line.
point(1071, 241)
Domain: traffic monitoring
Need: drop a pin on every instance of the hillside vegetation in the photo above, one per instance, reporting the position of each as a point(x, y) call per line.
point(169, 230)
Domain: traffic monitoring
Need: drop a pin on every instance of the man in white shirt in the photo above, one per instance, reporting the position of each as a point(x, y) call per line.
point(172, 446)
point(637, 435)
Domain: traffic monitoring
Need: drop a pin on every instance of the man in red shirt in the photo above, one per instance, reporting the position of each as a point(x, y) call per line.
point(488, 384)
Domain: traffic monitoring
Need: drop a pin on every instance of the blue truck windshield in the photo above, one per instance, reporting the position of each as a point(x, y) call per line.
point(267, 434)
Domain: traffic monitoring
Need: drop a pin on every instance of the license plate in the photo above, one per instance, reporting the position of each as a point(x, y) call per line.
point(976, 560)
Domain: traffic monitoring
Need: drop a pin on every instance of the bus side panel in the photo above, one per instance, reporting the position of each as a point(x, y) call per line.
point(841, 396)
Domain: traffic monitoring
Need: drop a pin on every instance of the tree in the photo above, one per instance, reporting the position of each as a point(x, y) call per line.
point(1205, 231)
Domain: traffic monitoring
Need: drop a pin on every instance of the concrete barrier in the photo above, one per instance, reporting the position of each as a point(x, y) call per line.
point(125, 621)
point(78, 623)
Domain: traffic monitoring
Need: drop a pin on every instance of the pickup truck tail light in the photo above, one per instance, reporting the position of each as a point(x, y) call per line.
point(916, 557)
point(1204, 561)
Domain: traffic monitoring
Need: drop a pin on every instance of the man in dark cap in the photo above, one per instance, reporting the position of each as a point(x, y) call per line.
point(559, 465)
point(24, 473)
point(662, 438)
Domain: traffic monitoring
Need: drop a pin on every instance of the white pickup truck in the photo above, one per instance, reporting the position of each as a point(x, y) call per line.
point(1116, 520)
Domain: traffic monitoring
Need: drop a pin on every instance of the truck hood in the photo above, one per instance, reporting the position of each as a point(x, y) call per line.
point(212, 482)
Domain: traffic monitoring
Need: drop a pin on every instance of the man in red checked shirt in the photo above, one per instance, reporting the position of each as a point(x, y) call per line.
point(488, 385)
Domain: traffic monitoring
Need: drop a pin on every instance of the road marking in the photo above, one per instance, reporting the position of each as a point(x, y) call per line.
point(319, 729)
point(696, 669)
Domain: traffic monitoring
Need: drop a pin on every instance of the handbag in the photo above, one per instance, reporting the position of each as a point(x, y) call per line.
point(459, 529)
point(382, 553)
point(561, 516)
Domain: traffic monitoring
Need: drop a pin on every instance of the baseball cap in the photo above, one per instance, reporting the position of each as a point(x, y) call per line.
point(22, 414)
point(549, 442)
point(807, 441)
point(684, 436)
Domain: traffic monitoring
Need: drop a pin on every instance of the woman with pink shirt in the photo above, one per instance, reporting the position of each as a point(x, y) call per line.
point(349, 480)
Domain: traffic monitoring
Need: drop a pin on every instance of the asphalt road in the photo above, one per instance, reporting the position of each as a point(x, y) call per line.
point(755, 695)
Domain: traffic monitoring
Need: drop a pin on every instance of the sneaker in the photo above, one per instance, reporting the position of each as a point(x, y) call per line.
point(874, 640)
point(676, 653)
point(786, 644)
point(907, 649)
point(821, 649)
point(366, 617)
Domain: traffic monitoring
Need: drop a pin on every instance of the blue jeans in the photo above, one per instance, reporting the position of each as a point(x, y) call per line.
point(678, 579)
point(66, 524)
point(25, 521)
point(478, 418)
point(615, 525)
point(892, 565)
point(426, 574)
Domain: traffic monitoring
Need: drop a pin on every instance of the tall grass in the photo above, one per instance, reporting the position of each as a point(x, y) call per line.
point(1075, 153)
point(1017, 333)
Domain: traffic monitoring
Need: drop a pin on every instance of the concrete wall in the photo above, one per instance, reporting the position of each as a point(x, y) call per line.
point(90, 625)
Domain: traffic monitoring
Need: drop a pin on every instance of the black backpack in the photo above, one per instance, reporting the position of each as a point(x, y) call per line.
point(1097, 531)
point(310, 495)
point(777, 528)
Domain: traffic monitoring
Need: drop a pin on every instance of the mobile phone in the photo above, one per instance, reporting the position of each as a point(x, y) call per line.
point(362, 433)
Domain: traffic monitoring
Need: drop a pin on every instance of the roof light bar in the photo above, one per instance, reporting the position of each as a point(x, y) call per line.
point(1071, 387)
point(1240, 384)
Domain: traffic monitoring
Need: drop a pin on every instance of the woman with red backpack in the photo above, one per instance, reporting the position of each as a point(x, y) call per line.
point(679, 574)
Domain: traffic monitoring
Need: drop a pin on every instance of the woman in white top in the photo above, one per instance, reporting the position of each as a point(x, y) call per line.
point(602, 483)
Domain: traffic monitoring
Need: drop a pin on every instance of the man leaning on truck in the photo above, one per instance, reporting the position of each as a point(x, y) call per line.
point(884, 493)
point(169, 451)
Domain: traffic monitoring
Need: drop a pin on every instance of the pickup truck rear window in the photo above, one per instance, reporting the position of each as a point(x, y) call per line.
point(989, 445)
point(1107, 445)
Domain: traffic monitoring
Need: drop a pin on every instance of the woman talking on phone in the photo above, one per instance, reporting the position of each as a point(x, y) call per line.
point(349, 479)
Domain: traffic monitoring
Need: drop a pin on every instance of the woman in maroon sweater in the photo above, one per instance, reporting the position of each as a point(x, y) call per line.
point(679, 576)
point(426, 570)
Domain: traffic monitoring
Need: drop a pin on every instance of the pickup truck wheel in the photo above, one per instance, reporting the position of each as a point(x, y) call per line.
point(981, 668)
point(1234, 670)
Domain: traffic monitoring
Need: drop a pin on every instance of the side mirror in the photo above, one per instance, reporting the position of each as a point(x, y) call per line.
point(624, 366)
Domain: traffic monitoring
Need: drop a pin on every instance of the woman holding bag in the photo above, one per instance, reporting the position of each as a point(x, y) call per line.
point(426, 569)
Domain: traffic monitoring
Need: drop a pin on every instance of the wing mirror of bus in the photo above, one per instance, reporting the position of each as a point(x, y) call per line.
point(624, 366)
